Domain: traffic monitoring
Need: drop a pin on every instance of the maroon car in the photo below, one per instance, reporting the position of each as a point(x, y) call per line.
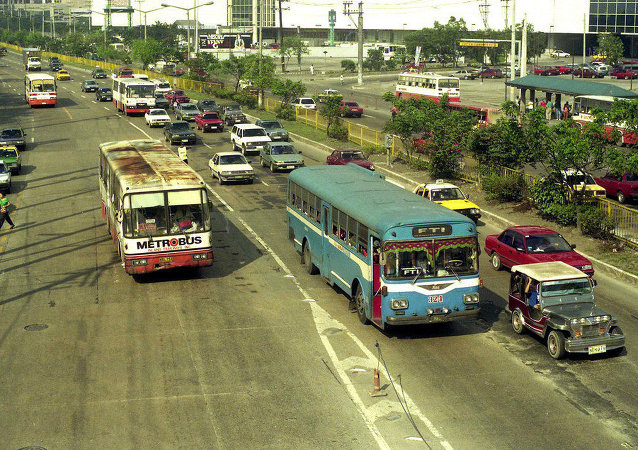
point(341, 157)
point(624, 186)
point(491, 73)
point(209, 121)
point(624, 73)
point(349, 108)
point(176, 96)
point(586, 73)
point(564, 70)
point(532, 244)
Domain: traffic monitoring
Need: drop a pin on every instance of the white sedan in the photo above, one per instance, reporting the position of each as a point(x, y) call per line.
point(156, 117)
point(231, 166)
point(560, 54)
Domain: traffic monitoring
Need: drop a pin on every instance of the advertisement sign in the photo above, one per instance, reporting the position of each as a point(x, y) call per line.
point(236, 41)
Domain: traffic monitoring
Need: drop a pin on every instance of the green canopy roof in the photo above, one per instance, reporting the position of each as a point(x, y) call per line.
point(557, 85)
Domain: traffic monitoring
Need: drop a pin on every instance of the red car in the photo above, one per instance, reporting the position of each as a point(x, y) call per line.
point(176, 96)
point(622, 73)
point(624, 186)
point(564, 69)
point(341, 157)
point(349, 108)
point(548, 70)
point(532, 244)
point(209, 121)
point(587, 73)
point(490, 73)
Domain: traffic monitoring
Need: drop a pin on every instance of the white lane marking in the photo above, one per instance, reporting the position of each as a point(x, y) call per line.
point(32, 139)
point(93, 101)
point(106, 108)
point(205, 144)
point(223, 202)
point(141, 131)
point(264, 183)
point(83, 96)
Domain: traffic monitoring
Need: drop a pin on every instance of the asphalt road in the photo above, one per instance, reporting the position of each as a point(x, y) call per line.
point(253, 352)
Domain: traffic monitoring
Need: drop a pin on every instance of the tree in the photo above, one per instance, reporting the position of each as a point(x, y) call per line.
point(374, 61)
point(288, 90)
point(348, 65)
point(623, 113)
point(146, 52)
point(236, 68)
point(439, 41)
point(262, 76)
point(293, 46)
point(331, 111)
point(610, 46)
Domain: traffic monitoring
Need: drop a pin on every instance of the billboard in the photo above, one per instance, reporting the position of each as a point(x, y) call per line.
point(231, 41)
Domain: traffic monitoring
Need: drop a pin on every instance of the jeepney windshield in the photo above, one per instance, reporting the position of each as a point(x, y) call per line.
point(430, 258)
point(566, 287)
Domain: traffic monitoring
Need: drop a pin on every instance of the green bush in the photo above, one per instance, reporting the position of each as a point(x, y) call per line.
point(246, 99)
point(338, 131)
point(595, 223)
point(444, 164)
point(390, 64)
point(285, 113)
point(504, 188)
point(372, 149)
point(564, 214)
point(419, 164)
point(348, 65)
point(222, 92)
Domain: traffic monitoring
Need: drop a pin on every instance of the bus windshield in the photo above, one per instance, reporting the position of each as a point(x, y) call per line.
point(43, 86)
point(141, 91)
point(430, 258)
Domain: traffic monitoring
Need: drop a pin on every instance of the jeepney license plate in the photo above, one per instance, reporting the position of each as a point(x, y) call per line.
point(169, 259)
point(594, 349)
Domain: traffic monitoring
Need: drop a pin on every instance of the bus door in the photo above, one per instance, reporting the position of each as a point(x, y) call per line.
point(376, 281)
point(325, 244)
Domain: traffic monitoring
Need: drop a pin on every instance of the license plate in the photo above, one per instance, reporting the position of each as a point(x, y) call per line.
point(184, 140)
point(166, 259)
point(290, 167)
point(594, 349)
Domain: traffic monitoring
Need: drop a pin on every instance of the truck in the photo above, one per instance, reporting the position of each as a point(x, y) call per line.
point(31, 58)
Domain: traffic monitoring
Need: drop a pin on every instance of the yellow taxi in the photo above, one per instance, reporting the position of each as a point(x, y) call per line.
point(450, 196)
point(63, 75)
point(584, 183)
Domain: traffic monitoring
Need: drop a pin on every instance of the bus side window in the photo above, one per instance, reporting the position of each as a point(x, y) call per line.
point(362, 238)
point(335, 218)
point(352, 232)
point(343, 225)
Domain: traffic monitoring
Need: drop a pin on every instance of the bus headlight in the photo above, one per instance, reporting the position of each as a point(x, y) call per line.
point(200, 256)
point(399, 303)
point(470, 298)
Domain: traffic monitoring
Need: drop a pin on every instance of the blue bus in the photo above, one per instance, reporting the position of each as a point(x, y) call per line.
point(402, 259)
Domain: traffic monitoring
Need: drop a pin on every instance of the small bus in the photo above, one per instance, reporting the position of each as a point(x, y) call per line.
point(586, 105)
point(40, 89)
point(156, 207)
point(401, 259)
point(390, 50)
point(131, 95)
point(429, 85)
point(122, 72)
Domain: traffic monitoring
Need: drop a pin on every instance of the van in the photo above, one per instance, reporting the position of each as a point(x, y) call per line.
point(140, 76)
point(161, 86)
point(247, 137)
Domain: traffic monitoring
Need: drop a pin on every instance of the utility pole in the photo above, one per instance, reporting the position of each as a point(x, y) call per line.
point(506, 7)
point(513, 52)
point(260, 94)
point(53, 21)
point(584, 36)
point(523, 51)
point(359, 25)
point(281, 38)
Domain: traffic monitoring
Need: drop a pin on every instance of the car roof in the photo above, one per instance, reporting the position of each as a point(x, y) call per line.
point(440, 186)
point(248, 125)
point(549, 271)
point(229, 153)
point(156, 109)
point(279, 144)
point(527, 230)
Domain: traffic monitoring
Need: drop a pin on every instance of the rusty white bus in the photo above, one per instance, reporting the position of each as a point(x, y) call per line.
point(155, 206)
point(40, 89)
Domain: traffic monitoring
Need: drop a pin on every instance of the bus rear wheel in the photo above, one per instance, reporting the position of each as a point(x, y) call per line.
point(360, 305)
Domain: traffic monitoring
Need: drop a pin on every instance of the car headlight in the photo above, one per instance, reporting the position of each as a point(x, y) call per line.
point(371, 166)
point(579, 321)
point(470, 298)
point(399, 303)
point(4, 178)
point(225, 173)
point(586, 267)
point(475, 210)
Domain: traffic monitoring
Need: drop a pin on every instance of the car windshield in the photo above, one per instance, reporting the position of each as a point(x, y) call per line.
point(307, 101)
point(105, 90)
point(254, 132)
point(159, 95)
point(180, 126)
point(157, 112)
point(140, 91)
point(210, 116)
point(547, 243)
point(283, 150)
point(579, 178)
point(99, 71)
point(189, 107)
point(565, 287)
point(269, 124)
point(430, 258)
point(11, 134)
point(8, 153)
point(447, 194)
point(352, 155)
point(164, 85)
point(207, 103)
point(90, 83)
point(178, 92)
point(232, 159)
point(233, 109)
point(352, 104)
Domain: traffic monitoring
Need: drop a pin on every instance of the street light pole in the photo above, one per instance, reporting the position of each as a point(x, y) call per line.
point(188, 28)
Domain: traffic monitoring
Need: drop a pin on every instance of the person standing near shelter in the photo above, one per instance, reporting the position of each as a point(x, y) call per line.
point(182, 152)
point(548, 110)
point(4, 212)
point(566, 110)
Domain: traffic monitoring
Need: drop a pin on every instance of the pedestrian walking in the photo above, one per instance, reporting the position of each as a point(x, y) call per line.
point(182, 152)
point(549, 108)
point(566, 110)
point(341, 79)
point(312, 69)
point(4, 212)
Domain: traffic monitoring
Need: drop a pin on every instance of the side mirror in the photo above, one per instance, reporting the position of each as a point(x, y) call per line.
point(519, 249)
point(300, 152)
point(573, 245)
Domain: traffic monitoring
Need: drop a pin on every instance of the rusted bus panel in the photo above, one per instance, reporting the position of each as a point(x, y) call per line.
point(148, 165)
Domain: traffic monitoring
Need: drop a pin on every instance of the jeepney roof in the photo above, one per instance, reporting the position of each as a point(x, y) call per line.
point(555, 270)
point(145, 164)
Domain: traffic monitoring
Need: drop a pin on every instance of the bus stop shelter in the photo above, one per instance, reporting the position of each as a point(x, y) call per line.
point(559, 87)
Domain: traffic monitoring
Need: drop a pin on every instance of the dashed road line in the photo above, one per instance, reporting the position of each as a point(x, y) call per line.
point(142, 131)
point(68, 113)
point(222, 201)
point(206, 145)
point(264, 183)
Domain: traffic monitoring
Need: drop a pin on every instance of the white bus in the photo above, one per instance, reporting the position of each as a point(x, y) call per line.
point(156, 207)
point(390, 50)
point(40, 89)
point(131, 95)
point(429, 85)
point(586, 105)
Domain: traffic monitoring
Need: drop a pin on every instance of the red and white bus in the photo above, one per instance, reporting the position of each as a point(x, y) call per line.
point(485, 115)
point(122, 72)
point(429, 85)
point(586, 105)
point(40, 89)
point(131, 95)
point(156, 207)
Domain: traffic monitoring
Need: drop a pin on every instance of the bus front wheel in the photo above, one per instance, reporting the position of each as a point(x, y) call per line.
point(307, 260)
point(360, 305)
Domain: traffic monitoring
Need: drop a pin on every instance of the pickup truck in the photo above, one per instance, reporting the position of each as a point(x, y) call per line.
point(209, 121)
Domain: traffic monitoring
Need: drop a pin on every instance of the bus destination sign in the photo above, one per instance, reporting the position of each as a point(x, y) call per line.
point(432, 230)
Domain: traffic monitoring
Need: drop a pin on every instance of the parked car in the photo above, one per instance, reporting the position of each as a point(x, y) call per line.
point(280, 156)
point(11, 157)
point(209, 121)
point(330, 93)
point(14, 136)
point(186, 111)
point(582, 182)
point(542, 70)
point(230, 166)
point(564, 70)
point(466, 74)
point(600, 69)
point(532, 244)
point(274, 129)
point(556, 302)
point(104, 94)
point(156, 117)
point(5, 178)
point(89, 86)
point(560, 54)
point(490, 73)
point(586, 72)
point(232, 114)
point(350, 109)
point(176, 96)
point(63, 74)
point(624, 73)
point(624, 187)
point(247, 137)
point(179, 132)
point(304, 103)
point(98, 73)
point(341, 157)
point(208, 105)
point(450, 196)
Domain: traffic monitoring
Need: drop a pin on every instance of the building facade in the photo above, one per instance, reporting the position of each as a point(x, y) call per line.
point(613, 16)
point(242, 13)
